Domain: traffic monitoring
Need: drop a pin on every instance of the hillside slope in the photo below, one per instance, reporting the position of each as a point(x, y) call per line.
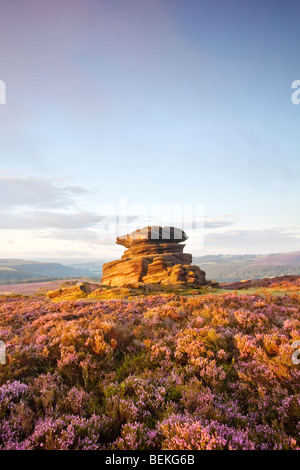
point(20, 270)
point(231, 268)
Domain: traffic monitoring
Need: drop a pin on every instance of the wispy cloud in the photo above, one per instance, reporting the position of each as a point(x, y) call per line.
point(36, 192)
point(219, 222)
point(84, 236)
point(44, 220)
point(252, 241)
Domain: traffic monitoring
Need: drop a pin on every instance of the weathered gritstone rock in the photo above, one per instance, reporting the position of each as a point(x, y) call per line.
point(154, 255)
point(75, 292)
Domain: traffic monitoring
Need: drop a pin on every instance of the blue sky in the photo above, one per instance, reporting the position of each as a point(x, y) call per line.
point(159, 102)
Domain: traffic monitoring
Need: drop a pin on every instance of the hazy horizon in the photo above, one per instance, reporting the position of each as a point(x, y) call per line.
point(84, 259)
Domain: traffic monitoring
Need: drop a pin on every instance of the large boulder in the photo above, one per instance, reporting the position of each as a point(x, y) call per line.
point(154, 256)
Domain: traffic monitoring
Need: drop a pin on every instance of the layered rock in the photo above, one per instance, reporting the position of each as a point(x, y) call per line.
point(154, 255)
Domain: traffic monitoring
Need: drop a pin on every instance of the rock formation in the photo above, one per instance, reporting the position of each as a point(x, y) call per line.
point(154, 255)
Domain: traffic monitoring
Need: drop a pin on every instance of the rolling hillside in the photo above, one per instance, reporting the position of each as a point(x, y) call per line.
point(231, 268)
point(222, 268)
point(14, 270)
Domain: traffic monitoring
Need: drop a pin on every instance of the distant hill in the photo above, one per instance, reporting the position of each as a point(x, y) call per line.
point(94, 267)
point(15, 270)
point(279, 259)
point(234, 268)
point(230, 268)
point(222, 268)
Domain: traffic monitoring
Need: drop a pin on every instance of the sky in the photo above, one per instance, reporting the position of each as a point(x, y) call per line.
point(124, 113)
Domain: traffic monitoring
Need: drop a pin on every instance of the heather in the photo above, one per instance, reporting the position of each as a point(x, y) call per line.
point(282, 283)
point(155, 372)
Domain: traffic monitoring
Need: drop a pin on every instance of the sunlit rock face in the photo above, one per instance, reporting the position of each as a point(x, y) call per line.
point(154, 255)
